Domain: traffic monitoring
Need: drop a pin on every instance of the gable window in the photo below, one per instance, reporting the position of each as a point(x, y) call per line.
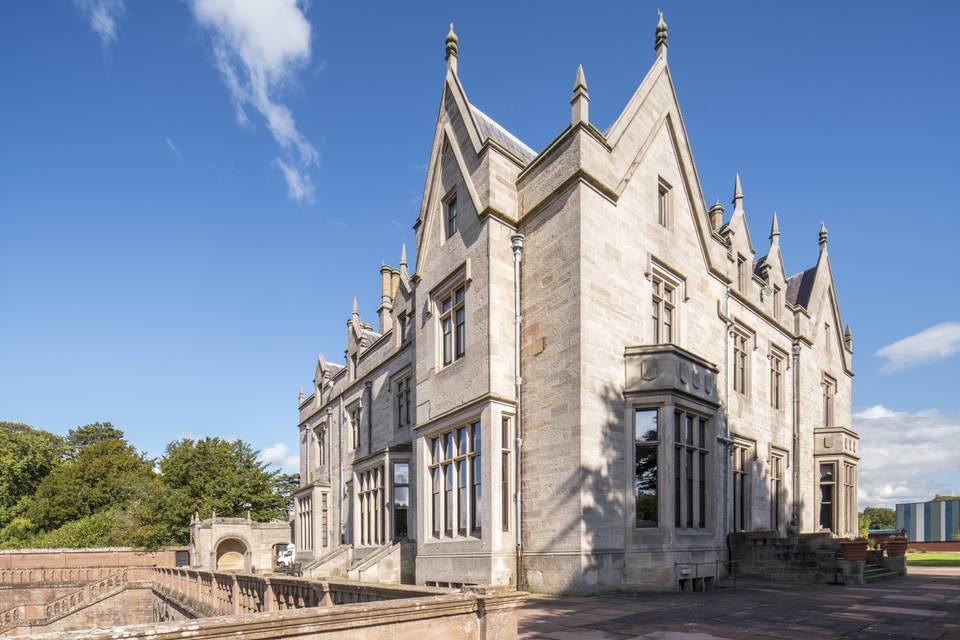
point(741, 274)
point(776, 491)
point(664, 214)
point(355, 427)
point(646, 444)
point(690, 462)
point(776, 380)
point(741, 487)
point(664, 319)
point(453, 325)
point(741, 362)
point(403, 389)
point(456, 482)
point(829, 394)
point(452, 215)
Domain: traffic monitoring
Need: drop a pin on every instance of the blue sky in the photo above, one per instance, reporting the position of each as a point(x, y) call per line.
point(161, 270)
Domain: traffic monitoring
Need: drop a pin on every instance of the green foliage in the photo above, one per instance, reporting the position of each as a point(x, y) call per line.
point(878, 518)
point(215, 475)
point(93, 489)
point(90, 434)
point(945, 498)
point(104, 474)
point(27, 455)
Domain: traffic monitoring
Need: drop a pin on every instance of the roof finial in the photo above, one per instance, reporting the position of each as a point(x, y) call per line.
point(848, 339)
point(452, 49)
point(775, 229)
point(403, 257)
point(660, 45)
point(301, 395)
point(823, 236)
point(356, 308)
point(737, 194)
point(580, 110)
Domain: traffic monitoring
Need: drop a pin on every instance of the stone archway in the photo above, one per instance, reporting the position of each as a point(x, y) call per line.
point(232, 555)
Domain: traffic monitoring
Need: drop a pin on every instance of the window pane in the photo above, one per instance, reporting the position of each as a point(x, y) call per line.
point(645, 425)
point(476, 506)
point(476, 436)
point(826, 473)
point(462, 441)
point(460, 293)
point(462, 497)
point(401, 473)
point(645, 478)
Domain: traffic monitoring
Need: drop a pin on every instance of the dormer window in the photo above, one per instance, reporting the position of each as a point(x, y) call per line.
point(452, 215)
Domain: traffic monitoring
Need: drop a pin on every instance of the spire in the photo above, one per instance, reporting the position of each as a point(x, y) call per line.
point(775, 230)
point(580, 109)
point(737, 195)
point(452, 49)
point(403, 257)
point(660, 44)
point(823, 236)
point(356, 308)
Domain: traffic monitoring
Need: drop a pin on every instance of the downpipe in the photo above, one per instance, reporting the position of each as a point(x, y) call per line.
point(516, 243)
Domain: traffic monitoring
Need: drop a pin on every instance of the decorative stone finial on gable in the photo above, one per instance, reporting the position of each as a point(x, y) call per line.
point(661, 45)
point(848, 339)
point(300, 397)
point(775, 229)
point(356, 308)
point(403, 257)
point(452, 49)
point(580, 102)
point(823, 236)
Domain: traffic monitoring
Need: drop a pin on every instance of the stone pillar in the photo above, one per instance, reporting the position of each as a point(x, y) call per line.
point(235, 594)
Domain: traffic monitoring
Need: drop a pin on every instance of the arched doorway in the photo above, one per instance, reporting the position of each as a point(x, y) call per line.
point(231, 555)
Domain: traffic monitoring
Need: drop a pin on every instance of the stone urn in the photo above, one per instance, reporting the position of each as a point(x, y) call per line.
point(895, 546)
point(854, 549)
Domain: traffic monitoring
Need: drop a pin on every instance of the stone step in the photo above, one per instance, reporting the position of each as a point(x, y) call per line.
point(877, 577)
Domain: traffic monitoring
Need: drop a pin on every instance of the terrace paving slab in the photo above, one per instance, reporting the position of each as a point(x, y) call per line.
point(921, 607)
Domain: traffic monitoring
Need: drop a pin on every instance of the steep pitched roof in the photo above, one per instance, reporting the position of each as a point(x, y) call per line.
point(489, 128)
point(800, 287)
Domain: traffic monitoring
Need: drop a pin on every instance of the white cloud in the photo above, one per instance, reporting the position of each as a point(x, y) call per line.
point(173, 147)
point(258, 45)
point(102, 16)
point(281, 455)
point(936, 343)
point(906, 457)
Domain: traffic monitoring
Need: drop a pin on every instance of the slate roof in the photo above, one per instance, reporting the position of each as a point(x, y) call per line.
point(758, 265)
point(490, 129)
point(800, 287)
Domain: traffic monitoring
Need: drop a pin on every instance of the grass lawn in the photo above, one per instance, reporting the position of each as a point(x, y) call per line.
point(945, 559)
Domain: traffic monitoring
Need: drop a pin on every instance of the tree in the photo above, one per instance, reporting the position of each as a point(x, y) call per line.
point(90, 434)
point(27, 455)
point(105, 474)
point(215, 475)
point(878, 518)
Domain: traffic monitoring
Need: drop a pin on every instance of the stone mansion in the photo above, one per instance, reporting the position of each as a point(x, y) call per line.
point(586, 379)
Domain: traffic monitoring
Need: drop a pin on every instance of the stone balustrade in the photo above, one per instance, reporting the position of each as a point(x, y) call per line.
point(56, 575)
point(221, 593)
point(86, 594)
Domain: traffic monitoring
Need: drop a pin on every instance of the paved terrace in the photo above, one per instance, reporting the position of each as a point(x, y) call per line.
point(925, 606)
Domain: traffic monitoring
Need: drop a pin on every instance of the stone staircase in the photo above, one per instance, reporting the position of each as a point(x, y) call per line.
point(876, 573)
